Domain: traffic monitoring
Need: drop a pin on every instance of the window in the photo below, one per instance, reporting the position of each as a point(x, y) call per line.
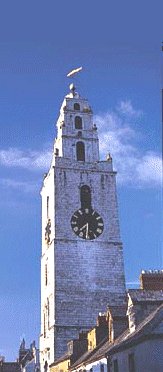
point(46, 366)
point(108, 364)
point(47, 206)
point(115, 365)
point(56, 153)
point(85, 196)
point(44, 325)
point(131, 362)
point(48, 312)
point(101, 367)
point(76, 106)
point(78, 122)
point(80, 133)
point(80, 151)
point(46, 274)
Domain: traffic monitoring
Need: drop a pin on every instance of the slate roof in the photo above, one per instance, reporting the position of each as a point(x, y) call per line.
point(144, 330)
point(141, 295)
point(9, 367)
point(118, 311)
point(61, 359)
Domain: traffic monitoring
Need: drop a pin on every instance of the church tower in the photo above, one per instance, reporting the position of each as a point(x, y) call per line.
point(82, 268)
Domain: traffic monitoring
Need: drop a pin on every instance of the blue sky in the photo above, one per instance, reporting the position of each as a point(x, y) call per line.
point(119, 46)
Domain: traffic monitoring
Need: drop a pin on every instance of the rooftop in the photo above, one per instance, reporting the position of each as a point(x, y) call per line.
point(144, 330)
point(140, 295)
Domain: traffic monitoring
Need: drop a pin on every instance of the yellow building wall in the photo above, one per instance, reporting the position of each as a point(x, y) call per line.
point(61, 367)
point(91, 339)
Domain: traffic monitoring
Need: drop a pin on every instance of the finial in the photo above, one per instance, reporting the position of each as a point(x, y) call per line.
point(72, 86)
point(22, 345)
point(72, 89)
point(109, 158)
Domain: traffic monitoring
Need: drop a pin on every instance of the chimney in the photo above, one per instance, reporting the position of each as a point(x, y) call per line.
point(101, 320)
point(83, 335)
point(117, 321)
point(77, 347)
point(98, 333)
point(151, 280)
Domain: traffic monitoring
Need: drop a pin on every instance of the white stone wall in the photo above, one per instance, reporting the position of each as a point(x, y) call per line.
point(69, 177)
point(89, 275)
point(47, 290)
point(94, 366)
point(83, 276)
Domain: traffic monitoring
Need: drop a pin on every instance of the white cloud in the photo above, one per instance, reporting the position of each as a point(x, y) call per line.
point(29, 159)
point(126, 108)
point(133, 283)
point(149, 169)
point(118, 137)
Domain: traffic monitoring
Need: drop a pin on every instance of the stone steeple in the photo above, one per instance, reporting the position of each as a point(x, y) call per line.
point(77, 137)
point(82, 270)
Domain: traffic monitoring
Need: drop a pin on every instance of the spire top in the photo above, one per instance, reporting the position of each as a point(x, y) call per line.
point(73, 92)
point(72, 89)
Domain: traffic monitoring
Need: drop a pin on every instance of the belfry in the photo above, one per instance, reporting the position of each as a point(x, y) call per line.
point(82, 269)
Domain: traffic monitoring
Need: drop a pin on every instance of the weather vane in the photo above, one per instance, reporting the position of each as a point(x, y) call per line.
point(74, 72)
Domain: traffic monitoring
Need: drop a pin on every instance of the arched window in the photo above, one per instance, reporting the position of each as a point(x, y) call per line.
point(85, 197)
point(78, 122)
point(80, 151)
point(76, 106)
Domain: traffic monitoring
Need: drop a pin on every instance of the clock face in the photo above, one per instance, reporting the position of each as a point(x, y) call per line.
point(87, 224)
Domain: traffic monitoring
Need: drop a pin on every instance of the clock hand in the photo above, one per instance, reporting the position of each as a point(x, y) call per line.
point(87, 236)
point(83, 227)
point(87, 230)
